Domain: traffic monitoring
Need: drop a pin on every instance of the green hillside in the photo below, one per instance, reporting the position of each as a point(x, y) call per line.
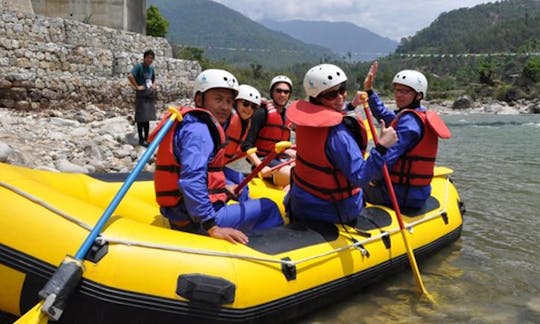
point(505, 26)
point(226, 35)
point(490, 50)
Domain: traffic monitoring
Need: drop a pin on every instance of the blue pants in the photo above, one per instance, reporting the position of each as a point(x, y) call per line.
point(252, 214)
point(412, 197)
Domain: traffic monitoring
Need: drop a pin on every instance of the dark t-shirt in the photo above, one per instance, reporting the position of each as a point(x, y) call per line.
point(258, 120)
point(142, 73)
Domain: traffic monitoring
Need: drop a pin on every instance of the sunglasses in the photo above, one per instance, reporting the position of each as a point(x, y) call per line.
point(285, 91)
point(246, 103)
point(331, 95)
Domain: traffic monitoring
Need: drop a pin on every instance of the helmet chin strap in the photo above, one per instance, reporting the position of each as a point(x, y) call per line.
point(414, 104)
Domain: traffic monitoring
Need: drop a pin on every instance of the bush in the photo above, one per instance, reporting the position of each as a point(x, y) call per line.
point(531, 70)
point(156, 24)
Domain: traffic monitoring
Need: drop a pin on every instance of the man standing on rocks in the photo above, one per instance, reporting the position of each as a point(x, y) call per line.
point(143, 80)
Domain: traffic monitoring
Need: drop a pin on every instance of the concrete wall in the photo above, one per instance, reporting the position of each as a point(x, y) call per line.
point(17, 5)
point(118, 14)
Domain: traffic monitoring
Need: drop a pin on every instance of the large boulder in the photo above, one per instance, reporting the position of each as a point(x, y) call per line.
point(534, 108)
point(463, 102)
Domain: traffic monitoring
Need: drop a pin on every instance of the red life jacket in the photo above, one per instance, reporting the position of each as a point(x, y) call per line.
point(313, 172)
point(167, 171)
point(416, 166)
point(275, 130)
point(236, 134)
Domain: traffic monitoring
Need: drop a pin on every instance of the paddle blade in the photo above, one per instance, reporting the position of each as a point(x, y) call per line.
point(34, 316)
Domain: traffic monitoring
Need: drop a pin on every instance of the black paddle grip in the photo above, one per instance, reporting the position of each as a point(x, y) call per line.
point(60, 287)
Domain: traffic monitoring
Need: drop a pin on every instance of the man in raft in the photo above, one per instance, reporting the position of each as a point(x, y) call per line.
point(412, 159)
point(189, 179)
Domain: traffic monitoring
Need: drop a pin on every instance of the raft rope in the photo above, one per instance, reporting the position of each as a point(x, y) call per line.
point(104, 238)
point(46, 205)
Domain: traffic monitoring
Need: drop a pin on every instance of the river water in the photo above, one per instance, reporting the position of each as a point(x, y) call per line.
point(492, 273)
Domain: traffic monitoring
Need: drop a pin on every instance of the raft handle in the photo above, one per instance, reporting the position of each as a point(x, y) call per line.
point(98, 250)
point(462, 208)
point(444, 216)
point(205, 289)
point(386, 240)
point(288, 269)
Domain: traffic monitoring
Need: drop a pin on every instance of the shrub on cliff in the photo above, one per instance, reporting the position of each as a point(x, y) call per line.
point(156, 24)
point(531, 70)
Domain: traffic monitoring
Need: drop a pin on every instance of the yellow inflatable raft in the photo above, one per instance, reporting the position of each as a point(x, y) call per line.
point(140, 271)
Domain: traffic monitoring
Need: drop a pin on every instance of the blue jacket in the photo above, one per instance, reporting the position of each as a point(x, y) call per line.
point(409, 131)
point(343, 151)
point(193, 145)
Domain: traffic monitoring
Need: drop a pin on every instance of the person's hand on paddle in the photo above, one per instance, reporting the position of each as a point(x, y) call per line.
point(368, 81)
point(228, 234)
point(388, 135)
point(291, 153)
point(230, 191)
point(359, 99)
point(266, 172)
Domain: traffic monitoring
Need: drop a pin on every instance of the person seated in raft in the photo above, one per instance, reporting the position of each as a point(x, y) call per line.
point(247, 101)
point(270, 126)
point(189, 179)
point(330, 166)
point(411, 161)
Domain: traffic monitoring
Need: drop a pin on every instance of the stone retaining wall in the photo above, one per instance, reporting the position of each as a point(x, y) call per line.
point(67, 64)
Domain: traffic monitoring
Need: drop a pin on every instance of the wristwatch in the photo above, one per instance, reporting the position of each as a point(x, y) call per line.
point(208, 224)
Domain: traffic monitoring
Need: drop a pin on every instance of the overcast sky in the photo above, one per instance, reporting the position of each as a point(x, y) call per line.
point(389, 18)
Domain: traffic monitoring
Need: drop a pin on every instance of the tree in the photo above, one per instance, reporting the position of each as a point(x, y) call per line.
point(156, 24)
point(531, 70)
point(256, 70)
point(486, 71)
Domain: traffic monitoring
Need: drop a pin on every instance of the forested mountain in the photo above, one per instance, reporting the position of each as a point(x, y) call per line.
point(349, 41)
point(504, 26)
point(226, 35)
point(490, 50)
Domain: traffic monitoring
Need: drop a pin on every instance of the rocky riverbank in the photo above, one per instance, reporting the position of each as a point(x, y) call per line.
point(466, 105)
point(95, 139)
point(88, 140)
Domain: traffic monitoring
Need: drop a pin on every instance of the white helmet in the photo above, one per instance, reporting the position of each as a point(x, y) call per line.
point(278, 79)
point(322, 77)
point(215, 78)
point(412, 79)
point(249, 93)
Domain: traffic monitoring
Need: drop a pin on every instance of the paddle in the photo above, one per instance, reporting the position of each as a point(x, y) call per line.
point(279, 148)
point(243, 155)
point(68, 275)
point(279, 166)
point(395, 205)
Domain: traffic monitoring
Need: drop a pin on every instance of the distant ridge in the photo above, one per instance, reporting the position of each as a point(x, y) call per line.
point(349, 41)
point(226, 35)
